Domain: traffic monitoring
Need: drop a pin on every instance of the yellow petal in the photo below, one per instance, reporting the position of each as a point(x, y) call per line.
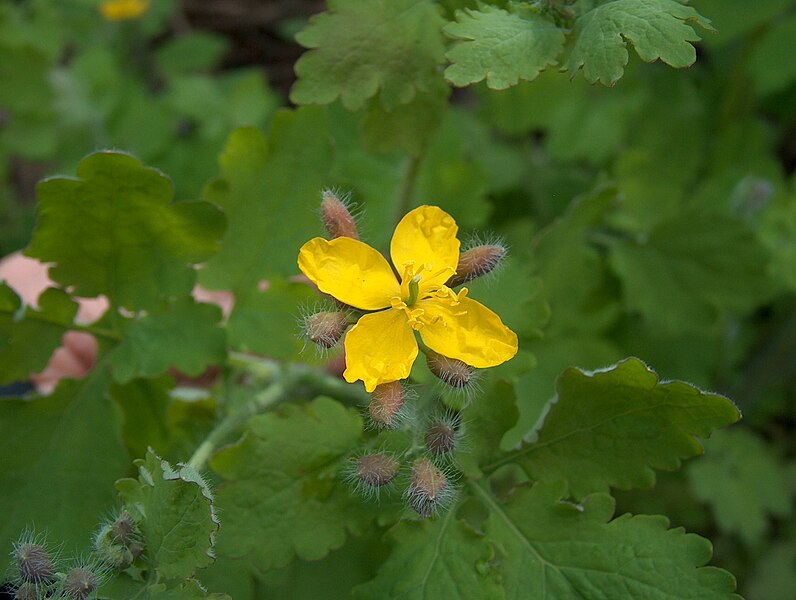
point(380, 348)
point(466, 330)
point(349, 270)
point(427, 236)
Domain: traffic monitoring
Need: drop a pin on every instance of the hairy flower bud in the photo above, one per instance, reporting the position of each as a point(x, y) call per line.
point(27, 591)
point(386, 404)
point(124, 528)
point(80, 583)
point(112, 552)
point(34, 562)
point(325, 328)
point(429, 488)
point(454, 372)
point(376, 470)
point(337, 217)
point(478, 260)
point(440, 438)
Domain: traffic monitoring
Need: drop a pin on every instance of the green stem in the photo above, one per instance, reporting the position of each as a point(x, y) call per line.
point(408, 187)
point(232, 423)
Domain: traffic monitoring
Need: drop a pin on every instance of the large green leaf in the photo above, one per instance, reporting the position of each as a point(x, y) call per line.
point(611, 428)
point(112, 230)
point(556, 550)
point(435, 559)
point(658, 29)
point(269, 188)
point(362, 47)
point(59, 457)
point(501, 46)
point(175, 513)
point(283, 495)
point(683, 273)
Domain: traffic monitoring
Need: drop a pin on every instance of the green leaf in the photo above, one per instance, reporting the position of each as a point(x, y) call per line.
point(186, 337)
point(175, 512)
point(486, 419)
point(611, 428)
point(682, 274)
point(267, 322)
point(744, 483)
point(112, 230)
point(501, 46)
point(193, 51)
point(28, 336)
point(123, 586)
point(552, 549)
point(283, 496)
point(363, 47)
point(59, 457)
point(769, 72)
point(407, 126)
point(658, 29)
point(268, 190)
point(144, 404)
point(439, 558)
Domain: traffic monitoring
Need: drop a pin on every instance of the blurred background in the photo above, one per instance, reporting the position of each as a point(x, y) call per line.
point(169, 81)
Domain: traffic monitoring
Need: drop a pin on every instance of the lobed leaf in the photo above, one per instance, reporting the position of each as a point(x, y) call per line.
point(282, 496)
point(501, 46)
point(658, 29)
point(611, 428)
point(681, 275)
point(360, 48)
point(440, 558)
point(551, 549)
point(743, 482)
point(112, 231)
point(175, 511)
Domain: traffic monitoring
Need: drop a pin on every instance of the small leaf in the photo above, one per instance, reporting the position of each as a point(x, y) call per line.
point(282, 496)
point(175, 512)
point(360, 48)
point(112, 231)
point(551, 549)
point(433, 559)
point(29, 336)
point(501, 46)
point(611, 428)
point(658, 29)
point(742, 481)
point(186, 337)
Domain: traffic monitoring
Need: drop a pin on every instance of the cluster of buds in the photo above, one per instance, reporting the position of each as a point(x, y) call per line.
point(40, 573)
point(118, 542)
point(428, 467)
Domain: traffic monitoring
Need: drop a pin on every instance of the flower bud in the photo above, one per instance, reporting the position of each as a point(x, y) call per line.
point(34, 562)
point(325, 328)
point(478, 260)
point(124, 528)
point(110, 551)
point(336, 217)
point(429, 488)
point(440, 438)
point(386, 404)
point(376, 470)
point(80, 583)
point(27, 591)
point(452, 371)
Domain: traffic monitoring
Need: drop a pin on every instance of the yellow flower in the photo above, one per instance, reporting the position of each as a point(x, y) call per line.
point(381, 347)
point(119, 10)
